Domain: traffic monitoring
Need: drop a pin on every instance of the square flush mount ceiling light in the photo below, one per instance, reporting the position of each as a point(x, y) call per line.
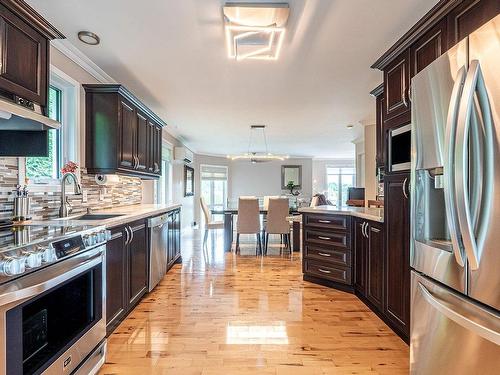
point(255, 30)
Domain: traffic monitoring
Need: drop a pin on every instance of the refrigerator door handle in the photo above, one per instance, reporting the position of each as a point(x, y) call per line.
point(474, 84)
point(448, 175)
point(461, 320)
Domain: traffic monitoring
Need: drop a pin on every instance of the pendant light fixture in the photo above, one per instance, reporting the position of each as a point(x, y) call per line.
point(253, 155)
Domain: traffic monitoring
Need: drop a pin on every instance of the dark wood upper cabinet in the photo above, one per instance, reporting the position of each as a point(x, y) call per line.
point(468, 16)
point(143, 144)
point(397, 257)
point(122, 134)
point(375, 264)
point(24, 54)
point(428, 48)
point(396, 83)
point(378, 93)
point(138, 263)
point(128, 135)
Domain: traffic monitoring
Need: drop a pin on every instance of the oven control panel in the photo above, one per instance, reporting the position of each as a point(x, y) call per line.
point(31, 257)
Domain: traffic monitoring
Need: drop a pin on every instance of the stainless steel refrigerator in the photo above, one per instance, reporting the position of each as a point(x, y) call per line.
point(455, 210)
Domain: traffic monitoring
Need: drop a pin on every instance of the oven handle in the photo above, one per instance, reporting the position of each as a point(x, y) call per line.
point(33, 284)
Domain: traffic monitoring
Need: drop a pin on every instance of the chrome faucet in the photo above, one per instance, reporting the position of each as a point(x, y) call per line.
point(65, 205)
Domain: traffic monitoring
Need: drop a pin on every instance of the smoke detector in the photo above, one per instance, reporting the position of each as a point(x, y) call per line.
point(255, 30)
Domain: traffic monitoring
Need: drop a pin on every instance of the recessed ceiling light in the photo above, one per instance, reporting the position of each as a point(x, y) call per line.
point(89, 37)
point(350, 126)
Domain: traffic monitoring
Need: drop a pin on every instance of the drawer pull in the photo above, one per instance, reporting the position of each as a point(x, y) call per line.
point(324, 254)
point(324, 271)
point(324, 238)
point(324, 221)
point(375, 230)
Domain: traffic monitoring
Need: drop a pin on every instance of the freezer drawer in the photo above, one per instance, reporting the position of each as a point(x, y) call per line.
point(451, 334)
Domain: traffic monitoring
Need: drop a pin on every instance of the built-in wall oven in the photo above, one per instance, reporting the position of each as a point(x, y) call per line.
point(52, 314)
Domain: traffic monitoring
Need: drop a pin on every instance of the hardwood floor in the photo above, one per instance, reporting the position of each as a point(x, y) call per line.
point(219, 314)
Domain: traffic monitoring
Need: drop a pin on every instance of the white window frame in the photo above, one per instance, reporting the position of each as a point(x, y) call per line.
point(339, 182)
point(210, 206)
point(157, 195)
point(70, 135)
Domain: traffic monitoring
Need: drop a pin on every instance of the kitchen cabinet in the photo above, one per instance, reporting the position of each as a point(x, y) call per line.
point(428, 47)
point(468, 16)
point(327, 250)
point(116, 272)
point(138, 262)
point(126, 271)
point(122, 135)
point(369, 261)
point(397, 257)
point(396, 84)
point(174, 237)
point(24, 53)
point(378, 94)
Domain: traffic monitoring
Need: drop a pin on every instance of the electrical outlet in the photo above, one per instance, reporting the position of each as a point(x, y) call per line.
point(101, 194)
point(85, 197)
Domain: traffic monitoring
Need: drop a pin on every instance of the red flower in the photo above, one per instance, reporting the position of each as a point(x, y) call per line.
point(69, 167)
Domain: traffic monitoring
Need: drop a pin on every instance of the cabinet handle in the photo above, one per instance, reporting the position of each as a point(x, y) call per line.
point(324, 271)
point(324, 254)
point(324, 238)
point(404, 187)
point(127, 238)
point(156, 168)
point(324, 221)
point(409, 93)
point(376, 230)
point(131, 234)
point(405, 103)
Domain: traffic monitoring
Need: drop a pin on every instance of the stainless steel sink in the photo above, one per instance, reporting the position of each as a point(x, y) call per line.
point(91, 217)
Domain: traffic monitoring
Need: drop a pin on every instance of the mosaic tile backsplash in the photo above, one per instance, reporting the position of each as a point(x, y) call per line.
point(45, 204)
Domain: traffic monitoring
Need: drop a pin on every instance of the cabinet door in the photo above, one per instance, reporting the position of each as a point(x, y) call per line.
point(469, 16)
point(152, 146)
point(157, 149)
point(138, 263)
point(428, 48)
point(375, 257)
point(116, 278)
point(177, 233)
point(360, 256)
point(379, 157)
point(128, 136)
point(24, 56)
point(142, 142)
point(397, 257)
point(396, 82)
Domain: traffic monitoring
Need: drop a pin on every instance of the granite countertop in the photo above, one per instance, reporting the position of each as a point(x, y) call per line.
point(128, 214)
point(368, 213)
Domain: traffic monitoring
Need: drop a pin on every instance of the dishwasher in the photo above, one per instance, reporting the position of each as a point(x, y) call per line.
point(158, 242)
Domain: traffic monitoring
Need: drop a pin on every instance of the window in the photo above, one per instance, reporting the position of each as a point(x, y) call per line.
point(49, 167)
point(214, 185)
point(64, 145)
point(164, 186)
point(338, 181)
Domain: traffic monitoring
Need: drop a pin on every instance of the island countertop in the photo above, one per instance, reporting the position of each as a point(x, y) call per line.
point(368, 213)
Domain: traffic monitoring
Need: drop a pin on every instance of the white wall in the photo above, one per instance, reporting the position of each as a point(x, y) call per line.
point(370, 162)
point(360, 161)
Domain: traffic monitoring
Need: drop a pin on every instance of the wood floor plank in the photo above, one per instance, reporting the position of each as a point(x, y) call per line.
point(221, 313)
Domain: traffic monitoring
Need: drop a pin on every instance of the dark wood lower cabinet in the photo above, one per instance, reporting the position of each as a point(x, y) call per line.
point(138, 262)
point(116, 271)
point(375, 264)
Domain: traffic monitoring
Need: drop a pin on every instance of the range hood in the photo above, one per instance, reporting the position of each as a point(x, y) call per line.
point(16, 117)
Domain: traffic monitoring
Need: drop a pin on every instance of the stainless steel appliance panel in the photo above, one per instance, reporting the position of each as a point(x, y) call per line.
point(435, 246)
point(158, 242)
point(450, 334)
point(484, 207)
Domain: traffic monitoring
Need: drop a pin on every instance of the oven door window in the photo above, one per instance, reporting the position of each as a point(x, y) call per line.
point(41, 329)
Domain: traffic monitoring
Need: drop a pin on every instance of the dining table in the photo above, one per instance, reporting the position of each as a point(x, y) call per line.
point(230, 211)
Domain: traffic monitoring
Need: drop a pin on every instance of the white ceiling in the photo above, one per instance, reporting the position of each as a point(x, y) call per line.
point(172, 55)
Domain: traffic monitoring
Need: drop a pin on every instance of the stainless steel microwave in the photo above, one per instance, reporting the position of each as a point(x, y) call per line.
point(399, 156)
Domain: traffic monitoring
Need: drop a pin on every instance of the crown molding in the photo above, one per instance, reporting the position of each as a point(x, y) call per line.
point(79, 58)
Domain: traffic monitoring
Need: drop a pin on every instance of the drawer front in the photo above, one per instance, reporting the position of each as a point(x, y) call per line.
point(332, 255)
point(329, 272)
point(339, 240)
point(335, 222)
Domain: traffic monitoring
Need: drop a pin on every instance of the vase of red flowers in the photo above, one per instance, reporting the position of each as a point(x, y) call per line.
point(69, 167)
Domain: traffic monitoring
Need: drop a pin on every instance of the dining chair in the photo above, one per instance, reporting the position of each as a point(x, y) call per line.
point(248, 221)
point(277, 221)
point(266, 200)
point(209, 222)
point(314, 201)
